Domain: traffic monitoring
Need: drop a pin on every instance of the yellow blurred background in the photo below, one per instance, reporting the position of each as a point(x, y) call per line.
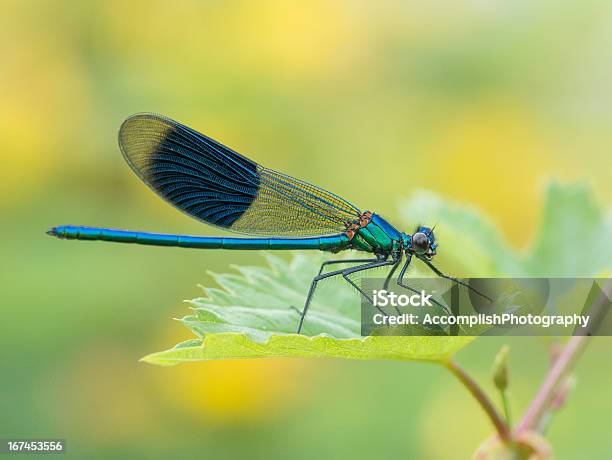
point(479, 101)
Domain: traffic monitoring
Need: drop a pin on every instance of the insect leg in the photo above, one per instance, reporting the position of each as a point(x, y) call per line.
point(311, 291)
point(331, 262)
point(360, 268)
point(344, 261)
point(319, 277)
point(442, 275)
point(390, 275)
point(400, 282)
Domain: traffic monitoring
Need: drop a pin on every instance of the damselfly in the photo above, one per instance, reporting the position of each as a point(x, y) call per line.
point(220, 187)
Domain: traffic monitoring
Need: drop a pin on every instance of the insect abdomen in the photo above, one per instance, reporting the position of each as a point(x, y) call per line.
point(331, 243)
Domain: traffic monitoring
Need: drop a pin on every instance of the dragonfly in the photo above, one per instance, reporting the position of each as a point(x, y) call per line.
point(220, 187)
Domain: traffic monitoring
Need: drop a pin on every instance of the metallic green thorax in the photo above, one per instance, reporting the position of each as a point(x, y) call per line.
point(378, 237)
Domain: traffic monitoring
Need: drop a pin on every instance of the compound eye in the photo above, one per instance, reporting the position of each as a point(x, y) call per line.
point(420, 243)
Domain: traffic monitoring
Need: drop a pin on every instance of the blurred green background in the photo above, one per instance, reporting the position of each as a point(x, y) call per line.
point(478, 101)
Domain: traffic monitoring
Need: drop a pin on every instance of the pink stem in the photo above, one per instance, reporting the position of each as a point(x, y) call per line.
point(563, 363)
point(561, 366)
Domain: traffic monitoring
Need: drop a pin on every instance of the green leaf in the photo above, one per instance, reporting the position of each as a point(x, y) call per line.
point(574, 236)
point(252, 316)
point(262, 301)
point(233, 345)
point(253, 313)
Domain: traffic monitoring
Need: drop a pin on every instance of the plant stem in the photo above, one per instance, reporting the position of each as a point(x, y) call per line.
point(500, 425)
point(506, 405)
point(562, 364)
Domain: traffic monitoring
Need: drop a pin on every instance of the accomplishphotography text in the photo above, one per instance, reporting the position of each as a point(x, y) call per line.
point(495, 319)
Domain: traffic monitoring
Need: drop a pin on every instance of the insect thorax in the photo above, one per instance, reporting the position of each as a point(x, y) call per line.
point(377, 235)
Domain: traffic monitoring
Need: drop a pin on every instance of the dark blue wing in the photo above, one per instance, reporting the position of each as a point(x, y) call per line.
point(218, 186)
